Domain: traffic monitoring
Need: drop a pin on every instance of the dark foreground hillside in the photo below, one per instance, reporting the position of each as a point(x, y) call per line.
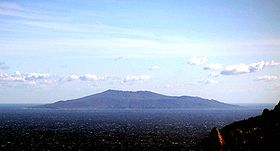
point(256, 133)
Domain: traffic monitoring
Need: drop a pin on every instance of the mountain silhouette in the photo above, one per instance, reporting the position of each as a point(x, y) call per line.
point(256, 133)
point(115, 99)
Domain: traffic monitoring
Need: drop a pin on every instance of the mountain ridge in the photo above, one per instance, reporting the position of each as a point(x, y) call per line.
point(255, 133)
point(117, 99)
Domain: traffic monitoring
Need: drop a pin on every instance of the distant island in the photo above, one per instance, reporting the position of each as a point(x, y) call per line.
point(115, 99)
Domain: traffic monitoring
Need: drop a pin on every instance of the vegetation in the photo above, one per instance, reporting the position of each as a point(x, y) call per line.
point(256, 133)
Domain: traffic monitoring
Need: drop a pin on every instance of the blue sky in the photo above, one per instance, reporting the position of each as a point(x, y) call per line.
point(57, 49)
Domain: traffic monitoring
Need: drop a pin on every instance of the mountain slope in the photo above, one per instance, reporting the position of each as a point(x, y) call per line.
point(256, 133)
point(114, 99)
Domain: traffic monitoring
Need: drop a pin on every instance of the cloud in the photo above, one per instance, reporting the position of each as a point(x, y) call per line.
point(267, 78)
point(214, 66)
point(26, 78)
point(85, 77)
point(274, 63)
point(3, 66)
point(196, 60)
point(247, 68)
point(70, 78)
point(91, 77)
point(134, 78)
point(45, 79)
point(17, 76)
point(236, 69)
point(36, 76)
point(154, 67)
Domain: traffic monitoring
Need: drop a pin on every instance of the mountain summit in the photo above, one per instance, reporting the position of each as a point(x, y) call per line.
point(115, 99)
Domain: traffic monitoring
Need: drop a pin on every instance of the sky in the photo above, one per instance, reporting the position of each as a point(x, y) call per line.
point(64, 49)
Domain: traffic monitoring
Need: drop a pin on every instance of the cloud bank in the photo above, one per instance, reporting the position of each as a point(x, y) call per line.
point(247, 68)
point(27, 78)
point(47, 79)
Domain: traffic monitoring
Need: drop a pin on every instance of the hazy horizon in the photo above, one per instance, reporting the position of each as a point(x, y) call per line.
point(59, 50)
point(53, 101)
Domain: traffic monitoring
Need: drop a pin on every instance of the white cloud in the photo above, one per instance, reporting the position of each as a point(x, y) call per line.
point(26, 78)
point(274, 63)
point(154, 67)
point(85, 77)
point(214, 66)
point(70, 78)
point(44, 78)
point(196, 60)
point(134, 78)
point(3, 66)
point(255, 67)
point(17, 76)
point(236, 69)
point(36, 76)
point(247, 68)
point(267, 78)
point(91, 77)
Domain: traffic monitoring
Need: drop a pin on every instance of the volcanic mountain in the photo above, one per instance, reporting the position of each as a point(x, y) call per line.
point(115, 99)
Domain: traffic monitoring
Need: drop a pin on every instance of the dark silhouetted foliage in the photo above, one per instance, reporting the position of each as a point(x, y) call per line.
point(256, 133)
